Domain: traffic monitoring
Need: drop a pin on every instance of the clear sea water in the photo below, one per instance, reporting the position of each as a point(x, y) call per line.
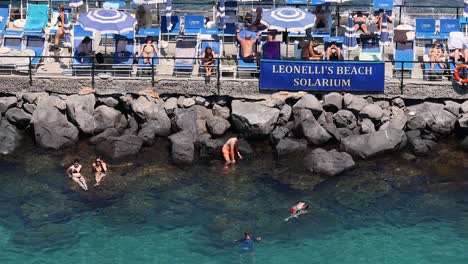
point(385, 211)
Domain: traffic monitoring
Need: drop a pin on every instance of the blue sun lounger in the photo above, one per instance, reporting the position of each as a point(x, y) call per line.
point(142, 35)
point(370, 52)
point(193, 25)
point(175, 30)
point(13, 39)
point(35, 41)
point(431, 74)
point(186, 50)
point(5, 16)
point(383, 4)
point(425, 28)
point(124, 53)
point(81, 65)
point(216, 46)
point(404, 56)
point(448, 25)
point(37, 17)
point(242, 65)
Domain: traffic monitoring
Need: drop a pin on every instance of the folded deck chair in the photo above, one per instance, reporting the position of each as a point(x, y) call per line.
point(428, 72)
point(271, 50)
point(242, 65)
point(175, 30)
point(425, 28)
point(37, 17)
point(186, 50)
point(216, 46)
point(4, 16)
point(193, 25)
point(80, 64)
point(12, 39)
point(36, 42)
point(448, 25)
point(142, 35)
point(124, 52)
point(404, 56)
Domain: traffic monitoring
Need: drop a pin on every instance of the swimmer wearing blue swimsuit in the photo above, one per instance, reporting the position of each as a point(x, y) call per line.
point(247, 242)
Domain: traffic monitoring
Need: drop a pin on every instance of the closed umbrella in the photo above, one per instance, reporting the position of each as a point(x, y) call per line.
point(148, 2)
point(169, 15)
point(222, 15)
point(384, 34)
point(350, 42)
point(465, 9)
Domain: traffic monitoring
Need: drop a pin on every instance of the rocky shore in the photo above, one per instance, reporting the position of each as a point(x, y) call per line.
point(329, 133)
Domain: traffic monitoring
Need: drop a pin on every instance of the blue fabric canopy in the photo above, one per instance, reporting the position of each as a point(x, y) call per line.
point(384, 40)
point(169, 15)
point(107, 21)
point(222, 14)
point(350, 42)
point(288, 19)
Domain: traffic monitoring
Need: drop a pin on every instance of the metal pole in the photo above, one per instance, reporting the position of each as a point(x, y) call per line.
point(401, 81)
point(30, 71)
point(218, 76)
point(152, 72)
point(92, 72)
point(399, 15)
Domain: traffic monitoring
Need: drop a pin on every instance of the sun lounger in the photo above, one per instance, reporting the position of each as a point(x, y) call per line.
point(193, 25)
point(35, 42)
point(425, 28)
point(448, 25)
point(186, 50)
point(81, 65)
point(370, 52)
point(175, 30)
point(5, 16)
point(36, 18)
point(404, 56)
point(124, 54)
point(383, 4)
point(435, 73)
point(142, 35)
point(216, 46)
point(12, 39)
point(12, 45)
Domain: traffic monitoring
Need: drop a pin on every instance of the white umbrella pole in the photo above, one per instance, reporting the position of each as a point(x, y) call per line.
point(21, 9)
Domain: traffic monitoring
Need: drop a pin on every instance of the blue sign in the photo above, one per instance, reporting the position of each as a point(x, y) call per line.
point(322, 76)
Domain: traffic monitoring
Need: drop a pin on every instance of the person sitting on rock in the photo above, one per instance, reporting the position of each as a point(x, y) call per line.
point(229, 149)
point(74, 172)
point(297, 210)
point(100, 169)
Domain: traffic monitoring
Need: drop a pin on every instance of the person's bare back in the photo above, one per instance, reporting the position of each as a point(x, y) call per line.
point(247, 44)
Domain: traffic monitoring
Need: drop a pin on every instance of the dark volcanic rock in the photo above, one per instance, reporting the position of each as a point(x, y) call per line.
point(9, 137)
point(6, 103)
point(217, 126)
point(183, 148)
point(288, 146)
point(107, 117)
point(254, 119)
point(328, 163)
point(332, 102)
point(117, 148)
point(18, 117)
point(80, 110)
point(306, 126)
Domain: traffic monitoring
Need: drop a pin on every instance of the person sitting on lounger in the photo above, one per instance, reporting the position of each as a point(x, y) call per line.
point(360, 23)
point(321, 17)
point(248, 53)
point(84, 48)
point(459, 55)
point(436, 55)
point(208, 60)
point(147, 50)
point(309, 52)
point(333, 52)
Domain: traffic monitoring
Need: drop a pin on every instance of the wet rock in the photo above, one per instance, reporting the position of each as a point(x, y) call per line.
point(371, 111)
point(279, 133)
point(354, 103)
point(452, 107)
point(254, 119)
point(18, 117)
point(244, 147)
point(117, 148)
point(221, 111)
point(345, 119)
point(288, 146)
point(464, 107)
point(367, 126)
point(170, 105)
point(306, 126)
point(80, 110)
point(285, 114)
point(211, 147)
point(408, 156)
point(398, 102)
point(107, 117)
point(153, 128)
point(420, 146)
point(109, 132)
point(109, 101)
point(7, 102)
point(9, 137)
point(372, 144)
point(398, 118)
point(185, 119)
point(309, 102)
point(328, 163)
point(183, 149)
point(29, 107)
point(332, 102)
point(217, 126)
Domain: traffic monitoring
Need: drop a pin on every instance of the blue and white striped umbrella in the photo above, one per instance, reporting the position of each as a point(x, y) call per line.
point(350, 42)
point(384, 34)
point(148, 2)
point(76, 3)
point(465, 9)
point(288, 19)
point(107, 21)
point(222, 14)
point(169, 15)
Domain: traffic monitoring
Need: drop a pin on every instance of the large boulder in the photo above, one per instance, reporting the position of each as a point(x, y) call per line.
point(398, 102)
point(452, 107)
point(202, 112)
point(170, 105)
point(309, 102)
point(288, 146)
point(464, 144)
point(107, 117)
point(279, 133)
point(18, 117)
point(285, 114)
point(7, 102)
point(432, 115)
point(147, 108)
point(371, 111)
point(464, 107)
point(332, 102)
point(367, 126)
point(153, 128)
point(217, 126)
point(211, 147)
point(398, 118)
point(32, 98)
point(420, 146)
point(109, 101)
point(354, 103)
point(328, 163)
point(254, 119)
point(221, 111)
point(117, 148)
point(80, 110)
point(345, 119)
point(9, 137)
point(185, 119)
point(416, 122)
point(183, 148)
point(372, 144)
point(305, 125)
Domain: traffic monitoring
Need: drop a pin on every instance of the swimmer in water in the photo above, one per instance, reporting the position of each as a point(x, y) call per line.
point(100, 169)
point(297, 210)
point(74, 172)
point(248, 241)
point(229, 150)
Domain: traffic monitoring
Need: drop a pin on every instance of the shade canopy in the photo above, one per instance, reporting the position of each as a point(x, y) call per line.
point(288, 19)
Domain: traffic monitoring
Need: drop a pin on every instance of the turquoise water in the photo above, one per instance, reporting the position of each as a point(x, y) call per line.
point(385, 211)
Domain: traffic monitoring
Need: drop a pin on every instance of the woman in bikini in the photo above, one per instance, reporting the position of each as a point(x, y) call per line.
point(61, 21)
point(360, 23)
point(208, 60)
point(436, 55)
point(229, 149)
point(147, 50)
point(100, 169)
point(74, 172)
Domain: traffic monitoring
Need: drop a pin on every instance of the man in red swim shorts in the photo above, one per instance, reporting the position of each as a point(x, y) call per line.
point(229, 149)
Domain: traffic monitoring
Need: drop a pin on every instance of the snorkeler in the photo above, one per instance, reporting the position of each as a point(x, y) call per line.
point(297, 210)
point(74, 172)
point(100, 169)
point(248, 241)
point(228, 150)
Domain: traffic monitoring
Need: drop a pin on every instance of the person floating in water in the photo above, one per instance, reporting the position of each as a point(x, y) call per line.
point(100, 169)
point(74, 172)
point(248, 241)
point(297, 210)
point(229, 149)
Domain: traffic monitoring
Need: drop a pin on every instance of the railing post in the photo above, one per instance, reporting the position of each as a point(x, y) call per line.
point(218, 76)
point(399, 15)
point(152, 72)
point(93, 65)
point(30, 71)
point(401, 81)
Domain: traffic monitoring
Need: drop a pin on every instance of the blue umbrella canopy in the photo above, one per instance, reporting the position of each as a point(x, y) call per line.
point(169, 15)
point(107, 21)
point(222, 14)
point(350, 42)
point(76, 3)
point(384, 34)
point(148, 2)
point(288, 19)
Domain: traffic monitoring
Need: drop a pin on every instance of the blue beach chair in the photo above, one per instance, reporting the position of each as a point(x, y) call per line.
point(13, 39)
point(431, 74)
point(37, 18)
point(81, 65)
point(175, 30)
point(143, 67)
point(242, 65)
point(448, 25)
point(124, 54)
point(370, 52)
point(383, 4)
point(186, 50)
point(5, 15)
point(193, 25)
point(216, 46)
point(404, 57)
point(36, 41)
point(425, 28)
